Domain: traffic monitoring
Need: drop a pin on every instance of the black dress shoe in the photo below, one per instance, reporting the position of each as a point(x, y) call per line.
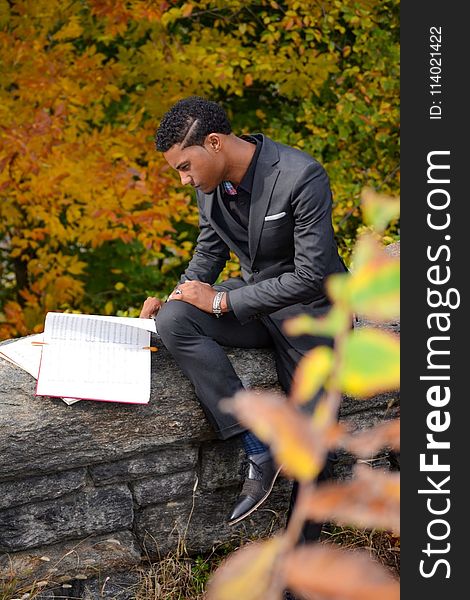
point(259, 481)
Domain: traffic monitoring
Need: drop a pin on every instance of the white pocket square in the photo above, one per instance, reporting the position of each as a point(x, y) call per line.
point(274, 217)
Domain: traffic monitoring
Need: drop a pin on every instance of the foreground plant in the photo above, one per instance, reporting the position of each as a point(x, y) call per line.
point(364, 362)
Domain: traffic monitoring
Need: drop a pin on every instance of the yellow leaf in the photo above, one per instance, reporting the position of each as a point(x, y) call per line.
point(76, 267)
point(312, 373)
point(335, 321)
point(72, 29)
point(108, 307)
point(247, 574)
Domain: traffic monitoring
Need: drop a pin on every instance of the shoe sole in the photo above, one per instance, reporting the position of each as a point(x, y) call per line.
point(259, 503)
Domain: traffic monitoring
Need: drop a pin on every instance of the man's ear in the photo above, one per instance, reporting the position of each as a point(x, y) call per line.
point(213, 142)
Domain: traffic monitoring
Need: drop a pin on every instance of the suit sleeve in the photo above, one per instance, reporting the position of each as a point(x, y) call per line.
point(210, 255)
point(314, 248)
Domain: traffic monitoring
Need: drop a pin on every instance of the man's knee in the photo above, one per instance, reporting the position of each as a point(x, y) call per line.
point(173, 318)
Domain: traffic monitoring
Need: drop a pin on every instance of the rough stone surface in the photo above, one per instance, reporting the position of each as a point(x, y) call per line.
point(32, 489)
point(164, 489)
point(166, 460)
point(83, 558)
point(220, 465)
point(43, 435)
point(116, 586)
point(48, 522)
point(200, 521)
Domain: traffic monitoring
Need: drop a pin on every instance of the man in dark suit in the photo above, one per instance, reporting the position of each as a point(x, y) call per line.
point(271, 205)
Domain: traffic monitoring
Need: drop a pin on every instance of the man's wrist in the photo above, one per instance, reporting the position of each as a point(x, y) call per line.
point(224, 303)
point(217, 304)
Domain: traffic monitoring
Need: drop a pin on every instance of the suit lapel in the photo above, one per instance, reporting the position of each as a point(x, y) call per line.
point(266, 175)
point(210, 200)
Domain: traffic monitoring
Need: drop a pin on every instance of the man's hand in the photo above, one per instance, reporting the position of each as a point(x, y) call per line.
point(150, 308)
point(197, 293)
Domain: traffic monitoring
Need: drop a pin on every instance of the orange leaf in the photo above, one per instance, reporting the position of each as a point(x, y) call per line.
point(248, 80)
point(371, 500)
point(369, 442)
point(295, 443)
point(332, 573)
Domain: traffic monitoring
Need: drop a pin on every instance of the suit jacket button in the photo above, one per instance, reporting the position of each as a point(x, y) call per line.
point(255, 271)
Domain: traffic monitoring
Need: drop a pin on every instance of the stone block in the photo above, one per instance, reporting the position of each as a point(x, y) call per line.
point(47, 487)
point(84, 513)
point(166, 460)
point(156, 490)
point(199, 523)
point(220, 464)
point(65, 561)
point(115, 586)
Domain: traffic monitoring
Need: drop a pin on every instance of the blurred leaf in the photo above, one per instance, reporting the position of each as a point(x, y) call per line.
point(367, 443)
point(378, 209)
point(337, 286)
point(370, 500)
point(331, 574)
point(311, 373)
point(370, 363)
point(374, 286)
point(336, 320)
point(247, 574)
point(295, 444)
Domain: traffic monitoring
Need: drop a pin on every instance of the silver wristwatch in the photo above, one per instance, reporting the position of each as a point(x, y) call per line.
point(216, 304)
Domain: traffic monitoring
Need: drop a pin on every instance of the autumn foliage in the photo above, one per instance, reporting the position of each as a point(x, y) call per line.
point(91, 219)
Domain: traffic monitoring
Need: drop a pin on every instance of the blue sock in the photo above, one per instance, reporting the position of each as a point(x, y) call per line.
point(252, 444)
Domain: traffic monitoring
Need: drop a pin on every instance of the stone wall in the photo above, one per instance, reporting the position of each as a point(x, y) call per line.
point(97, 487)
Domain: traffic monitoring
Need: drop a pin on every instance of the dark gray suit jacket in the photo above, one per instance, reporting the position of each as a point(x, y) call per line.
point(291, 242)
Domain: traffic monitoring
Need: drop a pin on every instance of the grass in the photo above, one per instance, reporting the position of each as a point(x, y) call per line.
point(382, 546)
point(179, 576)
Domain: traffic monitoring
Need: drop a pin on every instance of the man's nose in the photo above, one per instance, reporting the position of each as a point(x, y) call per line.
point(186, 179)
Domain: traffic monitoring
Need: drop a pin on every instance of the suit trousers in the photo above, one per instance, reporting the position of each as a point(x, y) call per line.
point(195, 340)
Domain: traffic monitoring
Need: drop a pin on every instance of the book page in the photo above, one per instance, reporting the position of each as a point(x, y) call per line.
point(94, 359)
point(79, 326)
point(23, 353)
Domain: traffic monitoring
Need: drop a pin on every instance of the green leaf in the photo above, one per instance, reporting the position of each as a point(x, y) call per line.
point(374, 286)
point(370, 363)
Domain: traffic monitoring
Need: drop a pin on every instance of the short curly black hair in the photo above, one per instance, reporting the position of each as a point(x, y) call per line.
point(189, 121)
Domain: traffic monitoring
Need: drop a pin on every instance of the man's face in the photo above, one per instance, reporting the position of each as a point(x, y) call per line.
point(199, 166)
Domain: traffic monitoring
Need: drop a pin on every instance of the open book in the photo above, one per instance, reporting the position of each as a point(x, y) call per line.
point(26, 354)
point(88, 357)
